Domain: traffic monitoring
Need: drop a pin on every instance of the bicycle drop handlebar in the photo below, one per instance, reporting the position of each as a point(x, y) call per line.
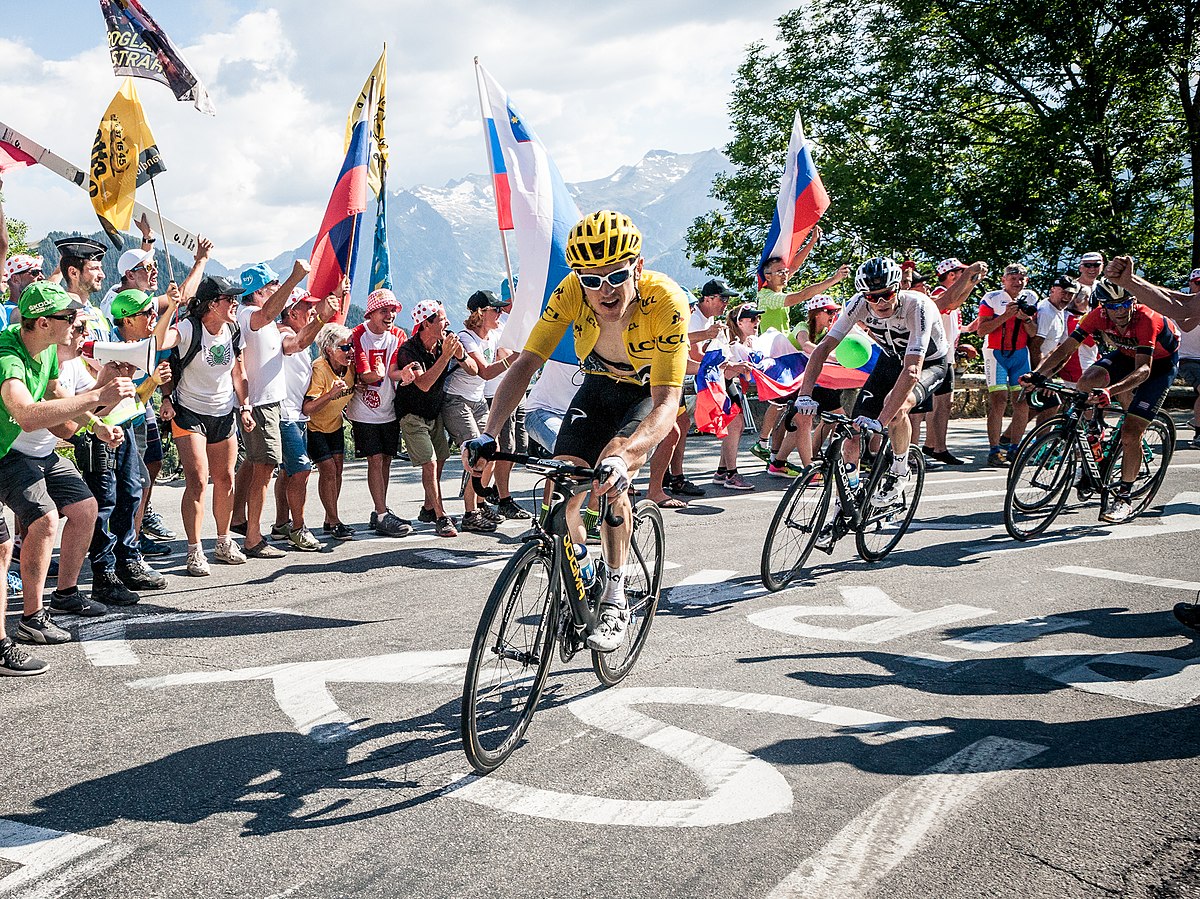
point(554, 469)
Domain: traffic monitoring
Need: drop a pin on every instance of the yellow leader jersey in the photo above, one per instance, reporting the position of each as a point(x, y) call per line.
point(656, 340)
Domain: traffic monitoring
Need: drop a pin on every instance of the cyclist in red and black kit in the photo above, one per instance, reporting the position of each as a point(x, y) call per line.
point(1138, 372)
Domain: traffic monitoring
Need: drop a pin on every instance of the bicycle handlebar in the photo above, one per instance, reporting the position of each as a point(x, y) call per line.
point(552, 468)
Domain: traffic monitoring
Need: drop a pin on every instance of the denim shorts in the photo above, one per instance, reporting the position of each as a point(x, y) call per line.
point(543, 426)
point(295, 447)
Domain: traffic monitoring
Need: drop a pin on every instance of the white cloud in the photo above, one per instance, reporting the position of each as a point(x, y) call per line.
point(601, 86)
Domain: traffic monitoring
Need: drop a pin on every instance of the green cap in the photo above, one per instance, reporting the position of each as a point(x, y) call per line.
point(42, 298)
point(129, 302)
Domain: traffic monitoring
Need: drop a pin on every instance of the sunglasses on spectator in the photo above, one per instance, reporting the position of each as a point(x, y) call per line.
point(144, 267)
point(69, 316)
point(1090, 265)
point(345, 347)
point(778, 271)
point(612, 279)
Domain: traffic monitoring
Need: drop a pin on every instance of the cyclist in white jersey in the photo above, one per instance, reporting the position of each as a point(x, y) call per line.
point(914, 362)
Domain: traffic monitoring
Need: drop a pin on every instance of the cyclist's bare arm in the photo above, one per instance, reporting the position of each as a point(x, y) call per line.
point(1184, 308)
point(827, 345)
point(1058, 358)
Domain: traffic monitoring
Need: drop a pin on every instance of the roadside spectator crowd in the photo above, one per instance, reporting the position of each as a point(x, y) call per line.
point(264, 366)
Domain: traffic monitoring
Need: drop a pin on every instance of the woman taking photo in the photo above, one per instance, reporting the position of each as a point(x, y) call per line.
point(328, 395)
point(740, 327)
point(209, 391)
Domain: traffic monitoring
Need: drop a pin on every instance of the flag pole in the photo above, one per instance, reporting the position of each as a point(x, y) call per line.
point(487, 146)
point(163, 231)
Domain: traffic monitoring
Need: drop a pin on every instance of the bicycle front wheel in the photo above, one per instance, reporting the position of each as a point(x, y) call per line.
point(510, 658)
point(794, 529)
point(643, 581)
point(1158, 445)
point(1040, 484)
point(884, 524)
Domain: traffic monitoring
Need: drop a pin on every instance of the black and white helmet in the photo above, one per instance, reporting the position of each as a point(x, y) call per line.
point(880, 273)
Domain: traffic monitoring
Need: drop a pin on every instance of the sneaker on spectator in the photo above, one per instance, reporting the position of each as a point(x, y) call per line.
point(281, 532)
point(736, 482)
point(15, 662)
point(137, 575)
point(109, 589)
point(763, 452)
point(784, 469)
point(228, 553)
point(389, 525)
point(491, 513)
point(152, 548)
point(1188, 614)
point(428, 516)
point(681, 486)
point(720, 476)
point(513, 510)
point(79, 603)
point(997, 458)
point(339, 531)
point(303, 539)
point(445, 527)
point(261, 550)
point(945, 457)
point(15, 587)
point(373, 524)
point(610, 630)
point(153, 526)
point(197, 565)
point(475, 521)
point(40, 628)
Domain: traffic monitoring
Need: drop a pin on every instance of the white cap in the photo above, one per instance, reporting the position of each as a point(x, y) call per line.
point(131, 259)
point(1092, 257)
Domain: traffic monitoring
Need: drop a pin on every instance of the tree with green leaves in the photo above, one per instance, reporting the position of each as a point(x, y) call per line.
point(985, 130)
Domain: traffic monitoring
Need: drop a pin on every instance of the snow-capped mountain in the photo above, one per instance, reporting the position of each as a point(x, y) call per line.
point(445, 244)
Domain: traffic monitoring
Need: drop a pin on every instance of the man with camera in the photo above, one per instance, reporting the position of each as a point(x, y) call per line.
point(1007, 319)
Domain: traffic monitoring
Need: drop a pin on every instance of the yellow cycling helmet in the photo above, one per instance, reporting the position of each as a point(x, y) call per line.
point(603, 238)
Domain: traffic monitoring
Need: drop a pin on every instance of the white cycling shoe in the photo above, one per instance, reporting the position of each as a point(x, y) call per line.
point(610, 631)
point(890, 489)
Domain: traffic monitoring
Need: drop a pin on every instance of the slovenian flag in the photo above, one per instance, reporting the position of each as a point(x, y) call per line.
point(335, 252)
point(780, 376)
point(532, 200)
point(801, 203)
point(714, 408)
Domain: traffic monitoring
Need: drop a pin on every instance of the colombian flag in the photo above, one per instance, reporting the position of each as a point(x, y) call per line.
point(801, 203)
point(335, 252)
point(714, 408)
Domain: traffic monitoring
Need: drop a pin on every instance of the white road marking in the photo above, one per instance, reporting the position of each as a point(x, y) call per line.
point(701, 588)
point(949, 497)
point(1169, 683)
point(104, 640)
point(876, 841)
point(865, 602)
point(933, 480)
point(739, 787)
point(52, 863)
point(1180, 515)
point(999, 636)
point(302, 688)
point(1105, 574)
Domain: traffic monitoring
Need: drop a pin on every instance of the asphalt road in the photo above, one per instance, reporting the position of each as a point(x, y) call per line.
point(971, 717)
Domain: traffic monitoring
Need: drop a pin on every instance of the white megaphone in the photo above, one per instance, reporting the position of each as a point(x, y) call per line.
point(140, 354)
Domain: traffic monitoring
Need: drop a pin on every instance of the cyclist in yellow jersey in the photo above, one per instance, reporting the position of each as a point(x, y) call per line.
point(630, 330)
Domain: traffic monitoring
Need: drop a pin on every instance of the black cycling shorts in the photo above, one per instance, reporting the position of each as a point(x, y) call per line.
point(933, 377)
point(1149, 395)
point(826, 398)
point(601, 410)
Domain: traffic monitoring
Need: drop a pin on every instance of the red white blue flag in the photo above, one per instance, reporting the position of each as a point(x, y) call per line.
point(532, 200)
point(714, 407)
point(801, 203)
point(335, 252)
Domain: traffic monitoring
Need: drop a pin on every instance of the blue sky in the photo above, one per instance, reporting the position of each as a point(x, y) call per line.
point(600, 84)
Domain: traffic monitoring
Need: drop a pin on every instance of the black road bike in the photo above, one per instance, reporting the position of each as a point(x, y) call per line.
point(539, 601)
point(1080, 449)
point(799, 521)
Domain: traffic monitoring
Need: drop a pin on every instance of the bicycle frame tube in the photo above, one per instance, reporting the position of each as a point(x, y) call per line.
point(566, 566)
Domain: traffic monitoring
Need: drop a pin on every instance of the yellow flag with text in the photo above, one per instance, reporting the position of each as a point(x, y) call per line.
point(375, 90)
point(124, 155)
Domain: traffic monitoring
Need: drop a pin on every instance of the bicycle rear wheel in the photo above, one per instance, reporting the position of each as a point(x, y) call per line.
point(1046, 427)
point(883, 526)
point(510, 658)
point(1040, 484)
point(1158, 445)
point(794, 529)
point(643, 581)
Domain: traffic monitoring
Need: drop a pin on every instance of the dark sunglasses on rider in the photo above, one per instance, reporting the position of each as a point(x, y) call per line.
point(1124, 304)
point(613, 279)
